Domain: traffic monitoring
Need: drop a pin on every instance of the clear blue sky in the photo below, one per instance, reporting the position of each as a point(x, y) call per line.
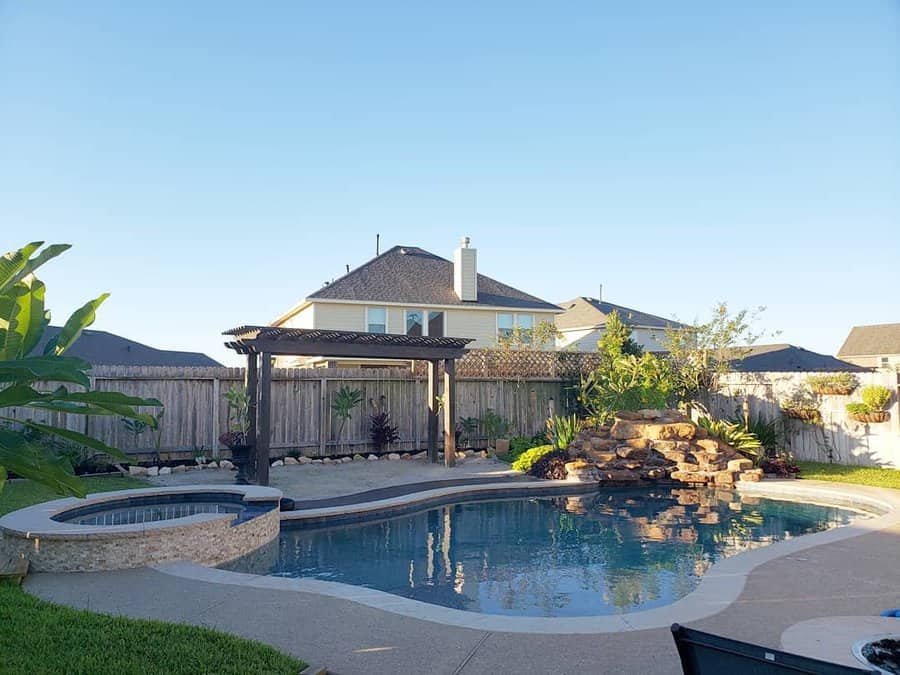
point(215, 162)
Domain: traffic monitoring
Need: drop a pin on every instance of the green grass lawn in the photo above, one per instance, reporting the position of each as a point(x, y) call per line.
point(38, 637)
point(842, 473)
point(19, 494)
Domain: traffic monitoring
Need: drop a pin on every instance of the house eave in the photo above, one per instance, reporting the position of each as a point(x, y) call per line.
point(380, 303)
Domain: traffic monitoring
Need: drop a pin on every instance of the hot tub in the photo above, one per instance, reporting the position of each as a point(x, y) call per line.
point(206, 524)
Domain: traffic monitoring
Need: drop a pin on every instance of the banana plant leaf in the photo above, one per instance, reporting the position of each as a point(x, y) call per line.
point(35, 462)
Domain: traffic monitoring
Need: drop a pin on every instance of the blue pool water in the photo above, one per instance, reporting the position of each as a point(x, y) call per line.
point(599, 554)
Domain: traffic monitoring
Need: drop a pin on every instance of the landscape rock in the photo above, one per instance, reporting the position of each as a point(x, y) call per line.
point(327, 460)
point(624, 429)
point(484, 454)
point(153, 471)
point(406, 455)
point(358, 458)
point(394, 456)
point(290, 460)
point(741, 464)
point(316, 461)
point(303, 459)
point(278, 462)
point(598, 443)
point(165, 470)
point(181, 468)
point(212, 465)
point(626, 452)
point(372, 458)
point(135, 470)
point(346, 460)
point(226, 464)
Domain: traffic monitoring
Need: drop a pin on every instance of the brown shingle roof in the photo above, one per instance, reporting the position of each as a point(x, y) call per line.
point(874, 340)
point(410, 275)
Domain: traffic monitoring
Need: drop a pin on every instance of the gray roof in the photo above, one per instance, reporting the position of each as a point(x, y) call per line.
point(100, 348)
point(786, 358)
point(874, 340)
point(413, 276)
point(584, 311)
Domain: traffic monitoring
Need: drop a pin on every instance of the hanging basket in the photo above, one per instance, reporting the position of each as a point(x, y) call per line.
point(832, 389)
point(809, 415)
point(873, 417)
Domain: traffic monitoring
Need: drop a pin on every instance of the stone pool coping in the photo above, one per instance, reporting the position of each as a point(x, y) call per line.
point(720, 586)
point(37, 520)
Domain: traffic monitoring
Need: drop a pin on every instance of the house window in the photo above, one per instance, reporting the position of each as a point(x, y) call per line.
point(885, 362)
point(506, 323)
point(436, 324)
point(414, 322)
point(376, 320)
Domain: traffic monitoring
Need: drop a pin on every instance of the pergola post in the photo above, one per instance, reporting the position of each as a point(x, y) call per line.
point(251, 386)
point(263, 416)
point(433, 410)
point(449, 412)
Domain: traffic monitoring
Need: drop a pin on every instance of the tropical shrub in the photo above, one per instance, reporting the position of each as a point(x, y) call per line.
point(468, 427)
point(876, 397)
point(346, 399)
point(561, 430)
point(626, 382)
point(238, 418)
point(733, 434)
point(381, 430)
point(768, 432)
point(780, 466)
point(520, 444)
point(551, 466)
point(494, 426)
point(529, 457)
point(857, 408)
point(23, 322)
point(833, 383)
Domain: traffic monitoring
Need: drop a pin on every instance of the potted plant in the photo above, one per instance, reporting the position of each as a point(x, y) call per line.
point(834, 384)
point(873, 408)
point(802, 406)
point(235, 438)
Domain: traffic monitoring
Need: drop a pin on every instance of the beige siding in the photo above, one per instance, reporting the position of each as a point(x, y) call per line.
point(482, 325)
point(340, 316)
point(874, 361)
point(396, 320)
point(585, 339)
point(305, 318)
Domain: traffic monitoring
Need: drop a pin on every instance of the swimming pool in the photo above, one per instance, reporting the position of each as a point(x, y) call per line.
point(605, 553)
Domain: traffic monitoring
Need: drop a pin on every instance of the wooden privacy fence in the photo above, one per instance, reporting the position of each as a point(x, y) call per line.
point(838, 438)
point(302, 419)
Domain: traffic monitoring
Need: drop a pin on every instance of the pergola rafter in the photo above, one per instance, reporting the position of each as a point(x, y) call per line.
point(260, 343)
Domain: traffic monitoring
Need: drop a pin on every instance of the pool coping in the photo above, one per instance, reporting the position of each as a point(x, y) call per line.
point(719, 587)
point(37, 520)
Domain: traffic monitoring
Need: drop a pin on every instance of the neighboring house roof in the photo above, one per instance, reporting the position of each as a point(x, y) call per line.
point(784, 358)
point(100, 348)
point(584, 312)
point(874, 340)
point(413, 276)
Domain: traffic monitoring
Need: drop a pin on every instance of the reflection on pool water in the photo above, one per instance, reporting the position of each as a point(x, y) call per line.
point(605, 553)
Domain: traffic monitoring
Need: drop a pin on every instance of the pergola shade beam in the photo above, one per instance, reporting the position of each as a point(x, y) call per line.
point(261, 343)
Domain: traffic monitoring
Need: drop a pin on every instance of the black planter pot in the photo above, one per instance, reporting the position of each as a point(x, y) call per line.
point(240, 457)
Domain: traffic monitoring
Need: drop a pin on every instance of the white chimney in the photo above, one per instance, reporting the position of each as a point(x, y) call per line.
point(465, 272)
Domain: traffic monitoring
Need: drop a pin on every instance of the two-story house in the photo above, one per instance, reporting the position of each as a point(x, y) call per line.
point(409, 291)
point(875, 346)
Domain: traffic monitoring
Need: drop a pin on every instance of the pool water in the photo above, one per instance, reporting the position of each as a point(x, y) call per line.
point(605, 553)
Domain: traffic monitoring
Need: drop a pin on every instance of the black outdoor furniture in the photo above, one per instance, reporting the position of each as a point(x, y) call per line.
point(707, 654)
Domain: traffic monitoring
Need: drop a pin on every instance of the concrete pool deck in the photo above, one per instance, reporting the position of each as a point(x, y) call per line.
point(844, 576)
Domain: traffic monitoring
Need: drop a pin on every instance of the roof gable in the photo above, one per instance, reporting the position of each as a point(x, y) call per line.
point(100, 348)
point(584, 311)
point(784, 358)
point(873, 340)
point(413, 276)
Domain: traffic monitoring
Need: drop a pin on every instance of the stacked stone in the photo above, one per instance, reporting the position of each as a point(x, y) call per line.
point(656, 445)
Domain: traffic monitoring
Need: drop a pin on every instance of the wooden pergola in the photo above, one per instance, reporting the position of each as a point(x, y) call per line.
point(261, 343)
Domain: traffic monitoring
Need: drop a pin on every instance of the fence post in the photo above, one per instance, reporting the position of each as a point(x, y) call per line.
point(217, 394)
point(323, 415)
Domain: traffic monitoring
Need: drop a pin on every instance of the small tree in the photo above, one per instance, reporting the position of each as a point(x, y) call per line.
point(345, 401)
point(538, 338)
point(702, 353)
point(616, 339)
